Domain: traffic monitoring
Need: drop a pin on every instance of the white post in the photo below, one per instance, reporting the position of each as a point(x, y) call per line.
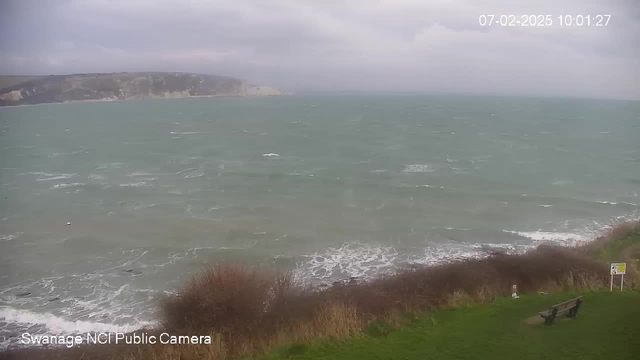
point(622, 282)
point(611, 282)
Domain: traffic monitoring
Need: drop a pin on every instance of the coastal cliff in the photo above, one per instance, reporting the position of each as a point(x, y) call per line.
point(126, 86)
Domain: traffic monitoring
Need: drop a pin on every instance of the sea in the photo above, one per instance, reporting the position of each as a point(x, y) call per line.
point(106, 207)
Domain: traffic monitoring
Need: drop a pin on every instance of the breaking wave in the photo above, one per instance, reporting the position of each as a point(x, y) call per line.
point(418, 168)
point(50, 324)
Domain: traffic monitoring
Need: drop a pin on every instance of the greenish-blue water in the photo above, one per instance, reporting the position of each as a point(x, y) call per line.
point(326, 186)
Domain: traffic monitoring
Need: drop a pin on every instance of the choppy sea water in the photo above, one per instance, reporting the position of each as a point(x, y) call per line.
point(325, 186)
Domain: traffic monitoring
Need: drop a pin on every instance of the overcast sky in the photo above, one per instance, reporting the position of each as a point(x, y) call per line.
point(377, 45)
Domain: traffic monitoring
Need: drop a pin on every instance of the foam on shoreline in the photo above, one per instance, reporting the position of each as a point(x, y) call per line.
point(46, 323)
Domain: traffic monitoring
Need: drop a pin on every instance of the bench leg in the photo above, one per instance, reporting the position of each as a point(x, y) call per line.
point(549, 319)
point(573, 312)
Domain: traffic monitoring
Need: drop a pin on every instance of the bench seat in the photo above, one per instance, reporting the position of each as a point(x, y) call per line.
point(570, 306)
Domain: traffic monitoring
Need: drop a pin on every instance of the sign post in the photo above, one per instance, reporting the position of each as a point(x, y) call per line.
point(618, 269)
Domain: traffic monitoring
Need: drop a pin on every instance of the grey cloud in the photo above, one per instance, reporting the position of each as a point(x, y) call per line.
point(399, 45)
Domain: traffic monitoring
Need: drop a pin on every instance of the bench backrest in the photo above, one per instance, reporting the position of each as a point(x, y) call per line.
point(566, 304)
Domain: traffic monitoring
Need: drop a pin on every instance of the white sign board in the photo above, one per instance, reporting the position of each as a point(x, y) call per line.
point(618, 268)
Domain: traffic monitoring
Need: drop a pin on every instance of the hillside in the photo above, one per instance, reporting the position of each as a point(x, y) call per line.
point(11, 80)
point(605, 328)
point(122, 86)
point(459, 310)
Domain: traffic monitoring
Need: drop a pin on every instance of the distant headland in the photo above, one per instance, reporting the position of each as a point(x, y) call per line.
point(28, 90)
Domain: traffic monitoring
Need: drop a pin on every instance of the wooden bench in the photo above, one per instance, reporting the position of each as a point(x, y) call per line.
point(572, 306)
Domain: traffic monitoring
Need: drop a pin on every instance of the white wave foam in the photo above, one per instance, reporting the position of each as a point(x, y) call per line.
point(562, 182)
point(379, 171)
point(58, 326)
point(418, 168)
point(551, 236)
point(140, 173)
point(194, 174)
point(9, 237)
point(95, 177)
point(351, 259)
point(454, 251)
point(138, 184)
point(616, 203)
point(456, 170)
point(115, 165)
point(64, 186)
point(188, 132)
point(109, 166)
point(55, 155)
point(430, 186)
point(368, 261)
point(271, 155)
point(142, 206)
point(185, 170)
point(57, 177)
point(491, 246)
point(546, 206)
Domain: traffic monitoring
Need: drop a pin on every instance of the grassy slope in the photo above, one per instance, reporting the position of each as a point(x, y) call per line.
point(614, 251)
point(625, 247)
point(607, 327)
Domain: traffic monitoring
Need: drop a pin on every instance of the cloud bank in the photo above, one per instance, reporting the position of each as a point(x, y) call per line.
point(330, 45)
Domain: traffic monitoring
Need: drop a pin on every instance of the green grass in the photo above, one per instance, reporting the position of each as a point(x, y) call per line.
point(607, 327)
